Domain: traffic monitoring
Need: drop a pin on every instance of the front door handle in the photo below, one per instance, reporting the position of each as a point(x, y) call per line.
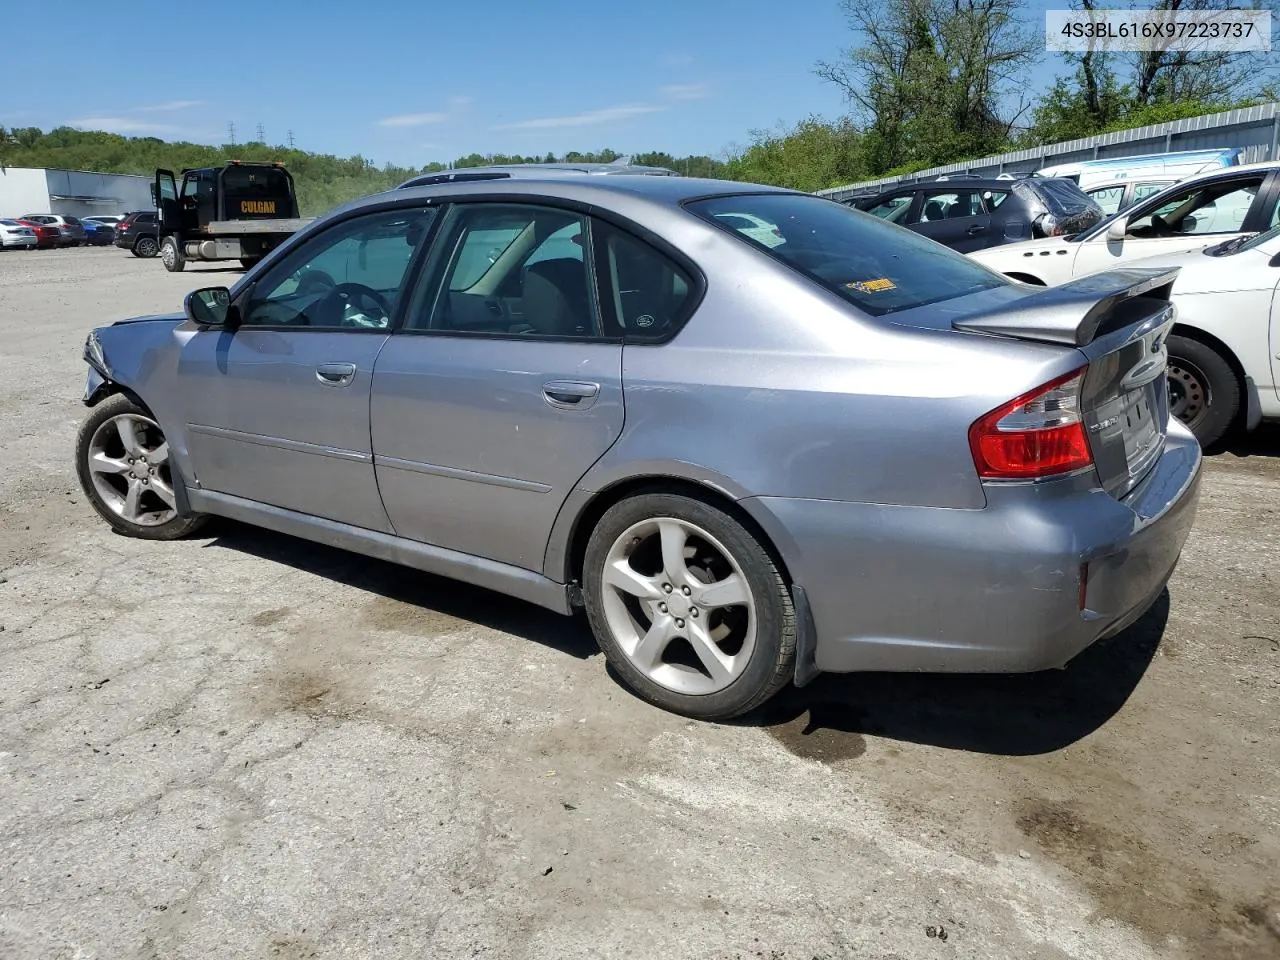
point(336, 374)
point(976, 229)
point(570, 394)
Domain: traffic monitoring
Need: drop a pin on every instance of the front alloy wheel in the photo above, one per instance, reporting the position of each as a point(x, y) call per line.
point(688, 606)
point(122, 459)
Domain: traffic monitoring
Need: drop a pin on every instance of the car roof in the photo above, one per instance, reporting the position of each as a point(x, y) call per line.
point(527, 170)
point(664, 191)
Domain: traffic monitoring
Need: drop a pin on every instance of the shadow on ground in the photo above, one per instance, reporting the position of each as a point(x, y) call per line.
point(1016, 715)
point(1263, 442)
point(827, 720)
point(454, 598)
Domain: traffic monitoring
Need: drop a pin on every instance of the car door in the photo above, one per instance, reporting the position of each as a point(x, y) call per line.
point(277, 410)
point(956, 218)
point(502, 388)
point(1200, 213)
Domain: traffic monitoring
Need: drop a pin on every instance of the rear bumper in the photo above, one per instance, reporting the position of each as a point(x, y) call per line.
point(991, 590)
point(17, 241)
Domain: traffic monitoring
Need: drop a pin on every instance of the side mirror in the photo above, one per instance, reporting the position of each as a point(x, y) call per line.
point(1118, 228)
point(212, 307)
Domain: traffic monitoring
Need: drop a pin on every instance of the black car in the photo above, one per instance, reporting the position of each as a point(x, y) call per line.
point(137, 232)
point(971, 214)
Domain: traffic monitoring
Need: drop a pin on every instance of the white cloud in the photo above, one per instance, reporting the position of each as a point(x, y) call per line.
point(590, 118)
point(167, 107)
point(460, 103)
point(120, 125)
point(687, 91)
point(413, 119)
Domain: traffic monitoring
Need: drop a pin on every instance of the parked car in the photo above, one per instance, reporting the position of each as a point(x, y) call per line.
point(851, 450)
point(47, 237)
point(1120, 195)
point(70, 229)
point(109, 219)
point(1173, 166)
point(1196, 212)
point(17, 236)
point(967, 213)
point(137, 233)
point(98, 234)
point(1224, 351)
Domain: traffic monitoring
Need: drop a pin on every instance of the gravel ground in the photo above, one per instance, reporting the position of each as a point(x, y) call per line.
point(244, 745)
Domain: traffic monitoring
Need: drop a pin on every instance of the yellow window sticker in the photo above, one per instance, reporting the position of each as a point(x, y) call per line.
point(872, 286)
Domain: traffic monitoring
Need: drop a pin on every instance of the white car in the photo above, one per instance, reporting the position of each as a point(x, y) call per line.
point(1224, 351)
point(1204, 209)
point(14, 234)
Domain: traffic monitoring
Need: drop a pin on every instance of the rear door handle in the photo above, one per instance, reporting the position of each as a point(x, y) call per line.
point(336, 374)
point(570, 394)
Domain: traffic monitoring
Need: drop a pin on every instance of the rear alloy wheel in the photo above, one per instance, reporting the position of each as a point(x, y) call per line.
point(1204, 392)
point(171, 256)
point(122, 460)
point(688, 607)
point(146, 247)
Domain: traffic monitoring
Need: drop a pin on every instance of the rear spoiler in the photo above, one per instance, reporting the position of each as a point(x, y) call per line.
point(1073, 313)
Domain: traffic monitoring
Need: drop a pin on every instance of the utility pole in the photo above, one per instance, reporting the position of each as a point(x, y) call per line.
point(231, 131)
point(289, 137)
point(259, 134)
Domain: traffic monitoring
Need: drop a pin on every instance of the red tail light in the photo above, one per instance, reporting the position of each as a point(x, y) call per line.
point(1039, 434)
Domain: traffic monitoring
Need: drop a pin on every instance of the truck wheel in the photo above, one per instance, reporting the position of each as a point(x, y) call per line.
point(1204, 392)
point(146, 247)
point(249, 262)
point(171, 255)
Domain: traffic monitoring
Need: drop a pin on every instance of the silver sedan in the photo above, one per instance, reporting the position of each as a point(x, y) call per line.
point(816, 442)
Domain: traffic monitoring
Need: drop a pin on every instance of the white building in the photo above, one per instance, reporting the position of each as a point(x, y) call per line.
point(71, 193)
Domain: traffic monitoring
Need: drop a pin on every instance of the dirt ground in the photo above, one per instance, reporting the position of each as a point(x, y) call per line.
point(245, 745)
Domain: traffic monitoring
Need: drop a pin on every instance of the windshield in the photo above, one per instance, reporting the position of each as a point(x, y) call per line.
point(878, 267)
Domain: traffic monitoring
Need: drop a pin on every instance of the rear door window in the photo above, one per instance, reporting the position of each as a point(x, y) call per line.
point(867, 262)
point(949, 205)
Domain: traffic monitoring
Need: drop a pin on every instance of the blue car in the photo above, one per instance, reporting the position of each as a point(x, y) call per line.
point(98, 234)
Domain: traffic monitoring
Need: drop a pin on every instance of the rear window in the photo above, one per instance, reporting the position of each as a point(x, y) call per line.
point(11, 223)
point(72, 220)
point(878, 267)
point(255, 181)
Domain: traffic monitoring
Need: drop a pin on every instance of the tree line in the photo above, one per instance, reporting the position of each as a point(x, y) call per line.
point(929, 82)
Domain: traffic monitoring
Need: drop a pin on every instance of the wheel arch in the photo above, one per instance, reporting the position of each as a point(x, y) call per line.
point(1217, 345)
point(565, 563)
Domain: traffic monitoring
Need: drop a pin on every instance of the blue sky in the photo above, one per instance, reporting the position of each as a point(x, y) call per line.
point(411, 82)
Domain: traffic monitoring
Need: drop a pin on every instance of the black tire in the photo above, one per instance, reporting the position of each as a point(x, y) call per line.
point(114, 406)
point(1204, 391)
point(770, 665)
point(145, 247)
point(171, 255)
point(249, 262)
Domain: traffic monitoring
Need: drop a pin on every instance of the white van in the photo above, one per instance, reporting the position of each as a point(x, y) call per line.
point(1168, 167)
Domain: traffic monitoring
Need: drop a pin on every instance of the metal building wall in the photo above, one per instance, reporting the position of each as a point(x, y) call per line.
point(1256, 130)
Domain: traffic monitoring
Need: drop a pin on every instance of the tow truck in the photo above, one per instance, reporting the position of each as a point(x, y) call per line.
point(239, 211)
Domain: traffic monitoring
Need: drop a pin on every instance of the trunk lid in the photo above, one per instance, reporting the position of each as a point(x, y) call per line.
point(1120, 320)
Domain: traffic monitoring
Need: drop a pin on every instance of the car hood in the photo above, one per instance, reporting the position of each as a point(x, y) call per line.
point(170, 318)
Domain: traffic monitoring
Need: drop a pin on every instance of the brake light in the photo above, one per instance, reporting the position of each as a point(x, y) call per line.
point(1039, 434)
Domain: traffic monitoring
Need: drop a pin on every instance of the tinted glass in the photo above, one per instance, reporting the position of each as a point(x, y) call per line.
point(255, 181)
point(510, 270)
point(894, 209)
point(10, 223)
point(994, 198)
point(950, 205)
point(877, 267)
point(348, 277)
point(649, 291)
